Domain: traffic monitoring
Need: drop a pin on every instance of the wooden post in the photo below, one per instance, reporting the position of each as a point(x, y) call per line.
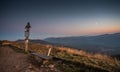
point(26, 45)
point(49, 51)
point(27, 27)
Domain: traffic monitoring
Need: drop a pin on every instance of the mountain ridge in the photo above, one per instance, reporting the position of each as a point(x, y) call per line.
point(106, 43)
point(36, 41)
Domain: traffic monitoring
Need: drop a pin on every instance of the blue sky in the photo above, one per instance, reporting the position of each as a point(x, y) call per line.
point(56, 18)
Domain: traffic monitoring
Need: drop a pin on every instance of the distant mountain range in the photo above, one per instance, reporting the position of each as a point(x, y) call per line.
point(107, 43)
point(36, 41)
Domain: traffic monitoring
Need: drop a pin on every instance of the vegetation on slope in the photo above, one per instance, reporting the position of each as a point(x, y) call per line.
point(73, 60)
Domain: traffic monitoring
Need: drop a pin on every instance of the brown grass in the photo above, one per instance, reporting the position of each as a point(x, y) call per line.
point(100, 61)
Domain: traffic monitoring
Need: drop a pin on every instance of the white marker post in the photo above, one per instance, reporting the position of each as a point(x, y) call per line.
point(27, 27)
point(49, 51)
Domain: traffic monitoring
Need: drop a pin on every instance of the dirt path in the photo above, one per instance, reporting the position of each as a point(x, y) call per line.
point(11, 61)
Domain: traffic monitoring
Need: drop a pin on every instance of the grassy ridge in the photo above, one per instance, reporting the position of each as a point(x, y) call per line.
point(75, 60)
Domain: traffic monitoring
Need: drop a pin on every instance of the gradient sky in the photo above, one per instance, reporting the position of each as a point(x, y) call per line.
point(56, 18)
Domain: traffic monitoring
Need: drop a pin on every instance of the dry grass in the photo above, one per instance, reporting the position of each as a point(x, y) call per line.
point(103, 62)
point(95, 60)
point(83, 53)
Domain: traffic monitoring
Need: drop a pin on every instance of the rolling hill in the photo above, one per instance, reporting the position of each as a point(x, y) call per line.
point(107, 43)
point(36, 41)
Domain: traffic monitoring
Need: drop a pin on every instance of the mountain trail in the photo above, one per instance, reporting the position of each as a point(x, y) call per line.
point(12, 61)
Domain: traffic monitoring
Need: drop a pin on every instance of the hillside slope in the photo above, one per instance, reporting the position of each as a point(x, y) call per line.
point(70, 60)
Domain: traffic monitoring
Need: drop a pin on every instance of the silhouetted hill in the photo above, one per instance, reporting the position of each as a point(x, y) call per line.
point(36, 41)
point(107, 43)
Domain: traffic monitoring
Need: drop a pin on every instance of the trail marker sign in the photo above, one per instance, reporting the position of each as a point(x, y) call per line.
point(27, 32)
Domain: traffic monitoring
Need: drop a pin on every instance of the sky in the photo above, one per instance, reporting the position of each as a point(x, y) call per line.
point(58, 18)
